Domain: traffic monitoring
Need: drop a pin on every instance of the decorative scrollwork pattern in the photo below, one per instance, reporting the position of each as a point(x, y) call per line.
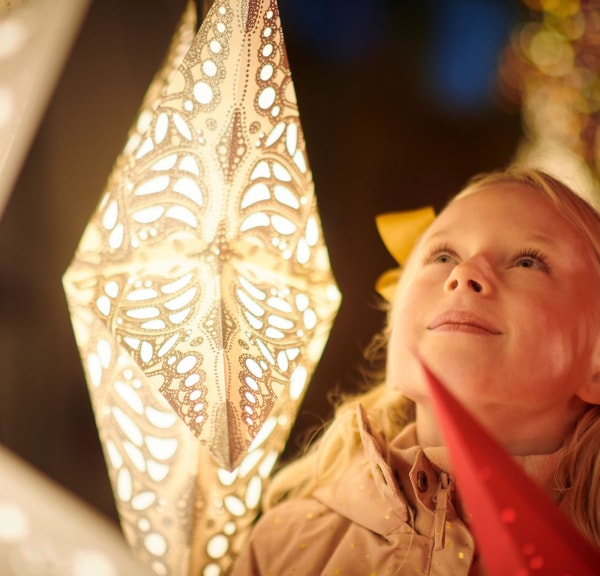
point(201, 291)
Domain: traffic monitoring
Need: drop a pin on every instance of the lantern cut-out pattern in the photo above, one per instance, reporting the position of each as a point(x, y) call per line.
point(201, 293)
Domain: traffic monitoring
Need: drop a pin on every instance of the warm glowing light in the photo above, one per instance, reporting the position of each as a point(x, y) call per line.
point(35, 38)
point(552, 69)
point(201, 293)
point(551, 53)
point(45, 530)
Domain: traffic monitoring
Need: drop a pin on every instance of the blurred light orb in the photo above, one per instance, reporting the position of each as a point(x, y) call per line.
point(551, 53)
point(14, 524)
point(92, 563)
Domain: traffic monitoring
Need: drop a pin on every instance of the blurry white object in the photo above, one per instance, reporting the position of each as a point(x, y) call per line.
point(45, 530)
point(35, 39)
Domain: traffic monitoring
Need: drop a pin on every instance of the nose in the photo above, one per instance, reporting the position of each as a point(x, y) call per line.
point(469, 275)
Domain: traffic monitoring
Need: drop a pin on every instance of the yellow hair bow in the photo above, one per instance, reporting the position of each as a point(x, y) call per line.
point(399, 232)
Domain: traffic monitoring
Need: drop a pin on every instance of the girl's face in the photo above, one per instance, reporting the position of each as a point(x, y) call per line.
point(501, 300)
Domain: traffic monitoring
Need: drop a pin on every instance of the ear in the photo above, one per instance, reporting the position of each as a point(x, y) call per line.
point(590, 391)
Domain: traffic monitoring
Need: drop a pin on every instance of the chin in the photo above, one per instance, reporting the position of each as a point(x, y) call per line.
point(463, 371)
point(410, 383)
point(462, 364)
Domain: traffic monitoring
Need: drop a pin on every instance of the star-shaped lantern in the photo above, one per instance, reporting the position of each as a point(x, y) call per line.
point(201, 293)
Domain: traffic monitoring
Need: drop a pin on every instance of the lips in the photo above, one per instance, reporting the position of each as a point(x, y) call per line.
point(462, 321)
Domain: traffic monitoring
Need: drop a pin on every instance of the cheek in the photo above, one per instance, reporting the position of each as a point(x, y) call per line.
point(403, 373)
point(401, 365)
point(557, 340)
point(403, 321)
point(412, 304)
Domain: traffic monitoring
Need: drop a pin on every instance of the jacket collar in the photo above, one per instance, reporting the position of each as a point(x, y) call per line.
point(368, 493)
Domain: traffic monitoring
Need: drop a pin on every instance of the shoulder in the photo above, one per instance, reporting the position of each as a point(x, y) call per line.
point(307, 535)
point(295, 520)
point(301, 532)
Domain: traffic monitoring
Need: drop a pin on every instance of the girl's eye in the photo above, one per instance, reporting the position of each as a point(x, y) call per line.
point(441, 255)
point(442, 258)
point(532, 259)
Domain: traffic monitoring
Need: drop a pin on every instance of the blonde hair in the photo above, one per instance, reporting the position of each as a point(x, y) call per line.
point(578, 474)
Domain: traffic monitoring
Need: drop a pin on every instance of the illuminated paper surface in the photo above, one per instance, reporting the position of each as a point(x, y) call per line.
point(201, 293)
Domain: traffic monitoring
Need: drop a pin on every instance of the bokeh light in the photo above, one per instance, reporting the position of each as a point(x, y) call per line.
point(551, 68)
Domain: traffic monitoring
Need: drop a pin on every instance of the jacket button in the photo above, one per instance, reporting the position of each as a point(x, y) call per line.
point(422, 481)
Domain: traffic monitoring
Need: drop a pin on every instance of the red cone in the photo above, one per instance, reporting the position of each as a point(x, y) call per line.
point(519, 530)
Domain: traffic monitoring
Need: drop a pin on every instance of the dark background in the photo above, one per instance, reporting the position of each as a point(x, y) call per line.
point(399, 109)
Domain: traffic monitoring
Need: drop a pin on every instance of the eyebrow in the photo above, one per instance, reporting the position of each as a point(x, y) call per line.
point(442, 232)
point(541, 238)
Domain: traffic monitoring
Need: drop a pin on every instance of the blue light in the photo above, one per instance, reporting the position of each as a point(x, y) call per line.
point(467, 37)
point(342, 30)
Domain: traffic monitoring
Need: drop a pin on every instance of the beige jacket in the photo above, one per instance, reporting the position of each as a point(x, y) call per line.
point(377, 520)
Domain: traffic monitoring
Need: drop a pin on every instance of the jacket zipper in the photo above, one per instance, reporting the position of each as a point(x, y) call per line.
point(441, 503)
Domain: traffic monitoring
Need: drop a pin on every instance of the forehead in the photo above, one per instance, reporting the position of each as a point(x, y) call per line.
point(510, 208)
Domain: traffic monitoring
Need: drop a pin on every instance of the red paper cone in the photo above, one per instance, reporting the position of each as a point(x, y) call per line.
point(519, 530)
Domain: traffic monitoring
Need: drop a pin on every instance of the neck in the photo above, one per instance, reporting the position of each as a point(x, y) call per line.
point(530, 434)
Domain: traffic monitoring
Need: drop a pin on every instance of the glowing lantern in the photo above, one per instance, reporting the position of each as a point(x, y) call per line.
point(201, 293)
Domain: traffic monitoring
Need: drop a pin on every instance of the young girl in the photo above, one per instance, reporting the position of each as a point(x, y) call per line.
point(500, 298)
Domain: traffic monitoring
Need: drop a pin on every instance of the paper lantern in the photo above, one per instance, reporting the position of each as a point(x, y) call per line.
point(35, 40)
point(201, 293)
point(46, 530)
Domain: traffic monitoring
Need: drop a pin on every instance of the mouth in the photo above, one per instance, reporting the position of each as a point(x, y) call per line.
point(460, 321)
